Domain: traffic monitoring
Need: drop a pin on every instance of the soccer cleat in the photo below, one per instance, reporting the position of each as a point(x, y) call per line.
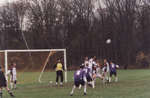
point(84, 93)
point(71, 94)
point(11, 94)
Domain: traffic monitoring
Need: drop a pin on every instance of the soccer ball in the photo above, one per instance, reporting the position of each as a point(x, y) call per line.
point(108, 41)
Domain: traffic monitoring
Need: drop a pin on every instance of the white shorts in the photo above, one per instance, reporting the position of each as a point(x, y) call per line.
point(13, 78)
point(98, 75)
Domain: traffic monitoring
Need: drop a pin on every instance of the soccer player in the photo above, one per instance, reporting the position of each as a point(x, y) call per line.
point(79, 79)
point(98, 72)
point(13, 74)
point(92, 64)
point(86, 61)
point(113, 71)
point(3, 84)
point(106, 71)
point(59, 72)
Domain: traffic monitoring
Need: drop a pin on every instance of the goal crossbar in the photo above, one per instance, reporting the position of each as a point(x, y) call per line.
point(34, 50)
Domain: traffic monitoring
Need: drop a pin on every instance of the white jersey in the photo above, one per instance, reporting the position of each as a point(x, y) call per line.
point(108, 68)
point(14, 74)
point(92, 63)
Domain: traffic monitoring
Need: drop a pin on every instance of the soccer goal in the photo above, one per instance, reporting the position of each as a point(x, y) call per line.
point(36, 63)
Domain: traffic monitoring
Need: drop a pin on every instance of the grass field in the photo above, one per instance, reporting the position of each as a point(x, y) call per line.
point(132, 84)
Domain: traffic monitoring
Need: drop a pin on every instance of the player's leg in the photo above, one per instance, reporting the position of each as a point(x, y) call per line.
point(92, 81)
point(57, 76)
point(61, 76)
point(116, 78)
point(9, 91)
point(84, 83)
point(110, 78)
point(89, 80)
point(85, 87)
point(14, 81)
point(11, 82)
point(80, 86)
point(15, 84)
point(72, 91)
point(105, 77)
point(1, 93)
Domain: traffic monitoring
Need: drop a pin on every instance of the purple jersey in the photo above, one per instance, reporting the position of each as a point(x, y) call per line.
point(79, 75)
point(113, 67)
point(88, 73)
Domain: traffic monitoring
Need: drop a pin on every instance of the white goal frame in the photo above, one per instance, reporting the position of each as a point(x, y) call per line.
point(34, 50)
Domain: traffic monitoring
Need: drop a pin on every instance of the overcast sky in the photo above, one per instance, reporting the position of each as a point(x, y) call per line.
point(2, 2)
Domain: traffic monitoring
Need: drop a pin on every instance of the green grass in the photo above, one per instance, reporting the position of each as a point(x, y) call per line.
point(132, 84)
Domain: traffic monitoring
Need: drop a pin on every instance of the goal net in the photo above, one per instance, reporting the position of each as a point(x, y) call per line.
point(34, 66)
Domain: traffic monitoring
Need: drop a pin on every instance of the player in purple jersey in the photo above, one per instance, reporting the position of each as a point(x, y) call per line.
point(113, 71)
point(79, 79)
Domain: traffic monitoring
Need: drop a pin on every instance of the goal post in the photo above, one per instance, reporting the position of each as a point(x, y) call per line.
point(6, 52)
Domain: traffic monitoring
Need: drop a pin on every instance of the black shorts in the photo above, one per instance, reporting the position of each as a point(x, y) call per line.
point(3, 84)
point(113, 73)
point(79, 82)
point(89, 78)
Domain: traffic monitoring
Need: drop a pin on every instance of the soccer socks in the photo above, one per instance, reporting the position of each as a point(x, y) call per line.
point(109, 79)
point(80, 86)
point(1, 94)
point(116, 79)
point(15, 86)
point(72, 90)
point(15, 83)
point(11, 85)
point(93, 84)
point(85, 89)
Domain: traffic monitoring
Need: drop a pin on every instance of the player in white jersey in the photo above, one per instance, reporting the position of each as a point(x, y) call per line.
point(86, 61)
point(13, 74)
point(106, 71)
point(98, 71)
point(92, 65)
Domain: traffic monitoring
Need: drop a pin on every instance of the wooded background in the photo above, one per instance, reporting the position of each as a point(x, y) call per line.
point(82, 27)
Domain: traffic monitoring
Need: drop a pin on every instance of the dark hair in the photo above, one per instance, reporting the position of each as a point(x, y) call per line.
point(82, 66)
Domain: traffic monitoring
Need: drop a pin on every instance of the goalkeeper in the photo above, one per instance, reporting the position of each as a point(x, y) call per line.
point(59, 72)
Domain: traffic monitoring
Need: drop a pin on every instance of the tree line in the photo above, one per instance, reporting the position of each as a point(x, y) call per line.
point(80, 26)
